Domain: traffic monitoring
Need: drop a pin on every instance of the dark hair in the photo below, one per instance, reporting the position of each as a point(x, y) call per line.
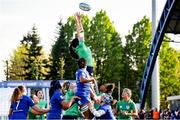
point(21, 88)
point(55, 85)
point(36, 91)
point(81, 63)
point(66, 85)
point(109, 87)
point(73, 45)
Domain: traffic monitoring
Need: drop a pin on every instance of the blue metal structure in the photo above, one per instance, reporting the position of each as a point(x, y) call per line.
point(168, 23)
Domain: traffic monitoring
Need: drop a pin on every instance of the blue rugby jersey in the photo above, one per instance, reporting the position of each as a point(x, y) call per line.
point(83, 89)
point(56, 109)
point(21, 107)
point(108, 112)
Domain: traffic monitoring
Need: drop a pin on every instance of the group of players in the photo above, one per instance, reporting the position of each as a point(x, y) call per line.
point(84, 91)
point(76, 99)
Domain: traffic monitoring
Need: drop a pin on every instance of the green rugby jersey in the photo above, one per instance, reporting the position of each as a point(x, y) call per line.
point(84, 52)
point(126, 106)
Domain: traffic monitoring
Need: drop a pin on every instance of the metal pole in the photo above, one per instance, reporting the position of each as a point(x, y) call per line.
point(155, 75)
point(119, 90)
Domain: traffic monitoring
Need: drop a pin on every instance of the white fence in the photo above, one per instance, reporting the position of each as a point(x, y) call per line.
point(5, 95)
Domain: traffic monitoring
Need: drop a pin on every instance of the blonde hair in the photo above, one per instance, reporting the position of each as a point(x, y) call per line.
point(128, 91)
point(15, 95)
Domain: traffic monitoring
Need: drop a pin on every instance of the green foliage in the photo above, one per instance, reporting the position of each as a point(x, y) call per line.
point(102, 39)
point(112, 61)
point(169, 66)
point(60, 51)
point(48, 63)
point(17, 70)
point(61, 72)
point(136, 53)
point(34, 66)
point(106, 47)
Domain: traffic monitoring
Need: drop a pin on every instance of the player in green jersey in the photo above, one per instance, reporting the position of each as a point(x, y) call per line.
point(126, 108)
point(73, 112)
point(78, 48)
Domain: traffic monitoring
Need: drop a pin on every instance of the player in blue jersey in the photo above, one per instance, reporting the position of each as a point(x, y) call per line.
point(84, 90)
point(20, 104)
point(105, 110)
point(57, 101)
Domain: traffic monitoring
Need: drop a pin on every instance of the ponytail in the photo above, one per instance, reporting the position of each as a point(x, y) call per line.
point(15, 95)
point(54, 85)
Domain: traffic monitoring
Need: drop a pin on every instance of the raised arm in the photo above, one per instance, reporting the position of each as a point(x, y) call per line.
point(79, 27)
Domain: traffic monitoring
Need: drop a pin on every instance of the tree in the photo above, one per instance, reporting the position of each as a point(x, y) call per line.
point(34, 66)
point(113, 69)
point(61, 71)
point(106, 47)
point(60, 52)
point(136, 53)
point(17, 63)
point(6, 71)
point(169, 66)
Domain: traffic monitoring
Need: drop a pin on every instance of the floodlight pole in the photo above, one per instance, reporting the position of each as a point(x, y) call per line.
point(155, 84)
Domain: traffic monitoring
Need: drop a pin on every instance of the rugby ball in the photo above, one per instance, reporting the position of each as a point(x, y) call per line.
point(84, 6)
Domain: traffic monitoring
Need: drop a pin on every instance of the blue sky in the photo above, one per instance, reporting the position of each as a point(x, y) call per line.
point(18, 16)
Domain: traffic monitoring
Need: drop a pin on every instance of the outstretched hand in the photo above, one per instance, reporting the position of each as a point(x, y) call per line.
point(78, 17)
point(79, 26)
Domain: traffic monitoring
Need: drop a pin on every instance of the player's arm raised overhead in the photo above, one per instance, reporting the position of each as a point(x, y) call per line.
point(79, 27)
